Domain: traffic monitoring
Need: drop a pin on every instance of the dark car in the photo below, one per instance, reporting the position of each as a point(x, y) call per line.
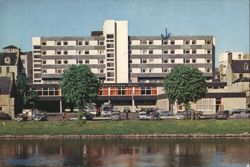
point(222, 114)
point(39, 115)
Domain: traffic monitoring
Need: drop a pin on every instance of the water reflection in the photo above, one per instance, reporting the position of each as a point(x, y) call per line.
point(125, 153)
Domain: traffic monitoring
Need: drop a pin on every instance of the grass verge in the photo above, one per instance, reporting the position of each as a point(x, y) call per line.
point(125, 127)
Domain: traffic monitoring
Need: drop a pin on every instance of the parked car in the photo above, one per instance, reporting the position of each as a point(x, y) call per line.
point(4, 116)
point(222, 114)
point(21, 117)
point(106, 110)
point(240, 113)
point(126, 109)
point(198, 115)
point(165, 114)
point(143, 116)
point(39, 115)
point(180, 115)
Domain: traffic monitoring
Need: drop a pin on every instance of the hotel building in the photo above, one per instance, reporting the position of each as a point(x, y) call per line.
point(130, 68)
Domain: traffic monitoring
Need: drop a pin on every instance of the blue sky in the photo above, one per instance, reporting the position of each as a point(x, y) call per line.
point(226, 20)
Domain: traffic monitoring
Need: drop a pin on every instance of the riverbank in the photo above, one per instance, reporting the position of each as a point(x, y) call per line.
point(125, 129)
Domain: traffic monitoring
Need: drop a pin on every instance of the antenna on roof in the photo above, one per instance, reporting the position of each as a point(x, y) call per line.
point(166, 36)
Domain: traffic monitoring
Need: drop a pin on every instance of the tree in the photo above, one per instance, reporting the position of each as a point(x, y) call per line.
point(79, 86)
point(185, 84)
point(25, 95)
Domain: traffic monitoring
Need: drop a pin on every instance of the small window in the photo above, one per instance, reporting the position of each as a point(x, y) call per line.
point(59, 61)
point(187, 42)
point(86, 52)
point(86, 61)
point(58, 52)
point(110, 64)
point(172, 61)
point(86, 42)
point(101, 61)
point(65, 61)
point(79, 61)
point(79, 42)
point(44, 71)
point(150, 42)
point(187, 51)
point(172, 52)
point(44, 43)
point(65, 43)
point(240, 75)
point(58, 43)
point(208, 51)
point(187, 61)
point(44, 61)
point(110, 36)
point(151, 52)
point(208, 69)
point(144, 61)
point(59, 71)
point(110, 74)
point(165, 42)
point(110, 46)
point(194, 61)
point(130, 62)
point(110, 55)
point(65, 52)
point(7, 69)
point(246, 66)
point(165, 70)
point(239, 56)
point(44, 52)
point(193, 42)
point(208, 61)
point(101, 42)
point(143, 42)
point(0, 70)
point(165, 51)
point(193, 51)
point(172, 42)
point(143, 70)
point(101, 71)
point(165, 60)
point(208, 42)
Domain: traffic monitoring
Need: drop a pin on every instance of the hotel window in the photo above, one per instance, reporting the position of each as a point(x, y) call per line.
point(239, 56)
point(208, 41)
point(143, 70)
point(143, 42)
point(58, 52)
point(65, 61)
point(172, 42)
point(44, 71)
point(193, 51)
point(146, 91)
point(110, 36)
point(144, 51)
point(80, 61)
point(130, 62)
point(208, 61)
point(165, 51)
point(165, 61)
point(208, 69)
point(101, 42)
point(65, 52)
point(7, 69)
point(44, 52)
point(165, 70)
point(172, 52)
point(245, 66)
point(193, 42)
point(44, 61)
point(65, 43)
point(110, 64)
point(150, 70)
point(110, 55)
point(110, 40)
point(208, 51)
point(194, 61)
point(110, 45)
point(86, 61)
point(44, 43)
point(79, 42)
point(110, 74)
point(79, 52)
point(165, 42)
point(187, 51)
point(187, 42)
point(101, 61)
point(187, 61)
point(110, 59)
point(86, 42)
point(101, 71)
point(59, 71)
point(172, 61)
point(150, 42)
point(110, 50)
point(59, 61)
point(144, 61)
point(121, 91)
point(150, 51)
point(86, 52)
point(58, 43)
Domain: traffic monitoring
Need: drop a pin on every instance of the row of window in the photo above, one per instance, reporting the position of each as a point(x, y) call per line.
point(185, 51)
point(145, 61)
point(65, 43)
point(127, 91)
point(7, 70)
point(79, 52)
point(172, 42)
point(48, 92)
point(60, 71)
point(165, 70)
point(78, 61)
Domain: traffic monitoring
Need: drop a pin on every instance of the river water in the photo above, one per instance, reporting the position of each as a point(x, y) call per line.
point(210, 152)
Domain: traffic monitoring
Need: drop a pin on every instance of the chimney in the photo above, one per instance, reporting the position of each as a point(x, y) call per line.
point(229, 58)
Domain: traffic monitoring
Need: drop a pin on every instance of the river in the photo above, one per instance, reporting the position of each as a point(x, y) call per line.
point(202, 152)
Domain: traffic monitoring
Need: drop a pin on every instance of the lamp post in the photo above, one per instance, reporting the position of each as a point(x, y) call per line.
point(133, 101)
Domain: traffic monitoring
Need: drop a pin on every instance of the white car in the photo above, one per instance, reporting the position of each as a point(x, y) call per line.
point(179, 116)
point(144, 116)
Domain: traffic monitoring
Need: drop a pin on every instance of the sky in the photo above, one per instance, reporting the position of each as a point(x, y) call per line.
point(226, 20)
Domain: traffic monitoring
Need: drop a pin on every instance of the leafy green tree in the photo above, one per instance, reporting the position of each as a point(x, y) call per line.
point(185, 84)
point(25, 95)
point(79, 86)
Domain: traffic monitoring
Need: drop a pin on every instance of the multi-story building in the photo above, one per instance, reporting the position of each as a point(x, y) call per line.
point(131, 68)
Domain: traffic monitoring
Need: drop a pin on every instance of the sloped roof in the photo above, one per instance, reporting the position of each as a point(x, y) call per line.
point(10, 47)
point(244, 79)
point(12, 56)
point(238, 66)
point(5, 85)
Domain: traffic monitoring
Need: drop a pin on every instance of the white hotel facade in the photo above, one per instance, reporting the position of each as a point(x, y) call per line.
point(130, 68)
